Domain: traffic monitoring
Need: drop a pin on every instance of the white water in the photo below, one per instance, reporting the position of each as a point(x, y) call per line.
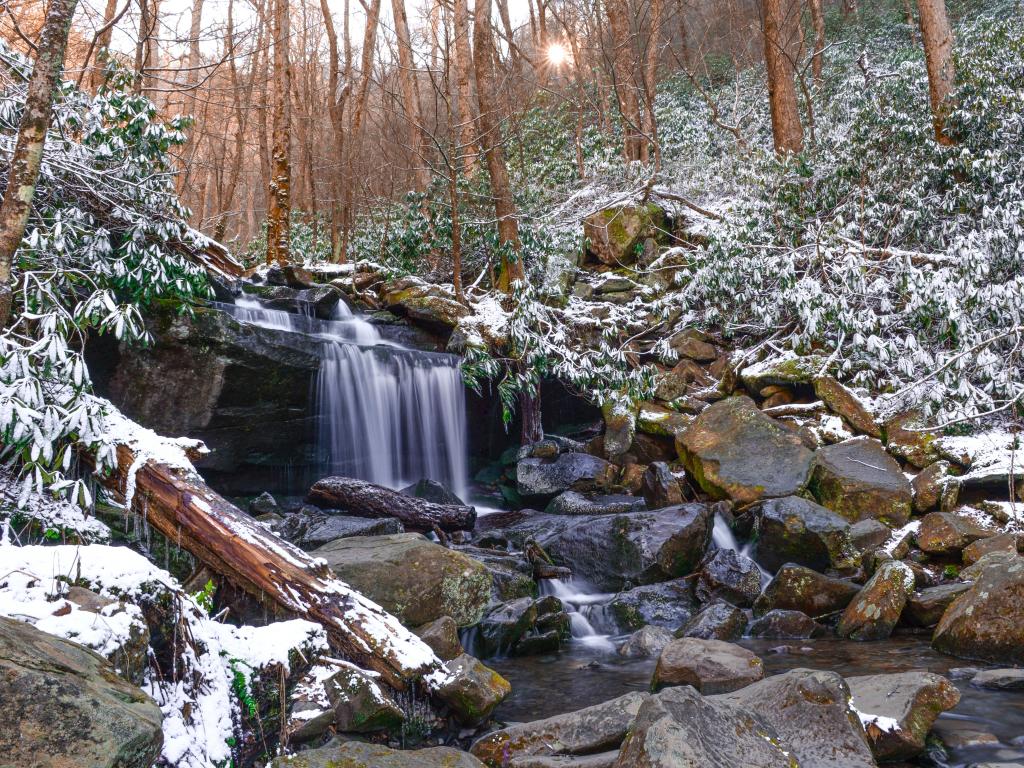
point(580, 606)
point(724, 538)
point(384, 413)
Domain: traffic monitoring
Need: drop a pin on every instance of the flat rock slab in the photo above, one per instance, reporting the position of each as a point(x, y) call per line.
point(795, 530)
point(899, 710)
point(595, 729)
point(710, 666)
point(567, 472)
point(999, 679)
point(735, 451)
point(925, 607)
point(859, 480)
point(944, 533)
point(357, 754)
point(797, 588)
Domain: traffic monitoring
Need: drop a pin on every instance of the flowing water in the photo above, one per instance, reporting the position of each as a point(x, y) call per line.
point(384, 413)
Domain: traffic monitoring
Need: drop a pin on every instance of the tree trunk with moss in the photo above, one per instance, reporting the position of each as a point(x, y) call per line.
point(938, 53)
point(23, 171)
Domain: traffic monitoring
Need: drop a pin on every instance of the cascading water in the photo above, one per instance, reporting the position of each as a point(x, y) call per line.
point(724, 538)
point(580, 606)
point(384, 413)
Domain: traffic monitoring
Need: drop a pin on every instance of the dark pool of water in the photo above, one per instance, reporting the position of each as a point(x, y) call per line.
point(583, 675)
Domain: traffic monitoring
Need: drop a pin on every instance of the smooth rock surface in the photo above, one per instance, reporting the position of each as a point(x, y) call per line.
point(715, 621)
point(797, 588)
point(358, 754)
point(858, 479)
point(873, 613)
point(710, 666)
point(795, 530)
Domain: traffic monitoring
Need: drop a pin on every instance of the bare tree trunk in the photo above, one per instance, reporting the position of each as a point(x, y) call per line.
point(786, 128)
point(407, 79)
point(278, 217)
point(625, 88)
point(336, 110)
point(466, 126)
point(818, 24)
point(908, 14)
point(650, 84)
point(102, 42)
point(938, 53)
point(532, 430)
point(188, 152)
point(494, 152)
point(23, 172)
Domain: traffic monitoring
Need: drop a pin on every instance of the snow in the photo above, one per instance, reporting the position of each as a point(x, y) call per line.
point(883, 723)
point(898, 536)
point(51, 513)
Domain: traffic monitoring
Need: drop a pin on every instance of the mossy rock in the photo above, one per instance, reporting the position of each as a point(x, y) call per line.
point(615, 235)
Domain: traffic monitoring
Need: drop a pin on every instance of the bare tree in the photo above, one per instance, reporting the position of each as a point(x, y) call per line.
point(279, 213)
point(23, 172)
point(938, 53)
point(818, 54)
point(778, 39)
point(464, 102)
point(634, 145)
point(410, 95)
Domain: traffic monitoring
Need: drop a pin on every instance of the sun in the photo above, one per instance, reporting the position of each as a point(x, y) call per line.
point(557, 54)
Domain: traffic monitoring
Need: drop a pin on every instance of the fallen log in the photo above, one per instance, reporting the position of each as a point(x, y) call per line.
point(363, 499)
point(158, 481)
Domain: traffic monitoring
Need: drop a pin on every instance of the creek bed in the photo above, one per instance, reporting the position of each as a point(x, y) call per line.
point(581, 675)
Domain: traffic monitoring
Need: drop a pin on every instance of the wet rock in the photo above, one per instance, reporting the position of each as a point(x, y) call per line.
point(264, 504)
point(659, 487)
point(658, 420)
point(727, 575)
point(524, 626)
point(797, 588)
point(614, 234)
point(785, 625)
point(573, 503)
point(359, 703)
point(910, 701)
point(668, 604)
point(595, 729)
point(426, 306)
point(413, 578)
point(442, 637)
point(873, 613)
point(321, 300)
point(359, 754)
point(567, 472)
point(710, 666)
point(473, 690)
point(733, 450)
point(311, 527)
point(925, 607)
point(809, 714)
point(944, 533)
point(511, 573)
point(602, 760)
point(844, 402)
point(291, 275)
point(1006, 543)
point(929, 484)
point(987, 621)
point(646, 642)
point(999, 679)
point(64, 706)
point(858, 479)
point(715, 621)
point(868, 535)
point(432, 490)
point(795, 530)
point(679, 728)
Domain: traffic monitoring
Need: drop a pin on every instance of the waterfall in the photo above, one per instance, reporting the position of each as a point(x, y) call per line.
point(384, 413)
point(724, 538)
point(580, 606)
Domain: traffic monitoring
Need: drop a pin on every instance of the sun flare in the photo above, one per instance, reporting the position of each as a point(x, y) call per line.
point(558, 54)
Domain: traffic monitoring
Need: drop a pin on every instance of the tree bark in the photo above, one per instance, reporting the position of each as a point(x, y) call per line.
point(278, 217)
point(336, 111)
point(785, 112)
point(463, 62)
point(178, 504)
point(494, 152)
point(363, 499)
point(650, 84)
point(625, 87)
point(938, 53)
point(23, 172)
point(818, 24)
point(102, 42)
point(407, 78)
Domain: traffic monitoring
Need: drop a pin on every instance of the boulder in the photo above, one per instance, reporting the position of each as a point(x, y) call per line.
point(929, 484)
point(291, 275)
point(679, 728)
point(659, 487)
point(693, 344)
point(360, 706)
point(795, 530)
point(797, 588)
point(868, 535)
point(427, 306)
point(472, 690)
point(946, 533)
point(785, 625)
point(809, 713)
point(873, 613)
point(1006, 543)
point(898, 710)
point(264, 504)
point(321, 300)
point(574, 503)
point(442, 637)
point(413, 578)
point(311, 527)
point(999, 679)
point(987, 621)
point(727, 575)
point(998, 558)
point(614, 234)
point(667, 604)
point(432, 490)
point(359, 754)
point(716, 621)
point(646, 642)
point(925, 607)
point(566, 472)
point(858, 479)
point(710, 666)
point(64, 706)
point(619, 426)
point(660, 421)
point(785, 370)
point(676, 383)
point(844, 402)
point(734, 451)
point(595, 729)
point(524, 626)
